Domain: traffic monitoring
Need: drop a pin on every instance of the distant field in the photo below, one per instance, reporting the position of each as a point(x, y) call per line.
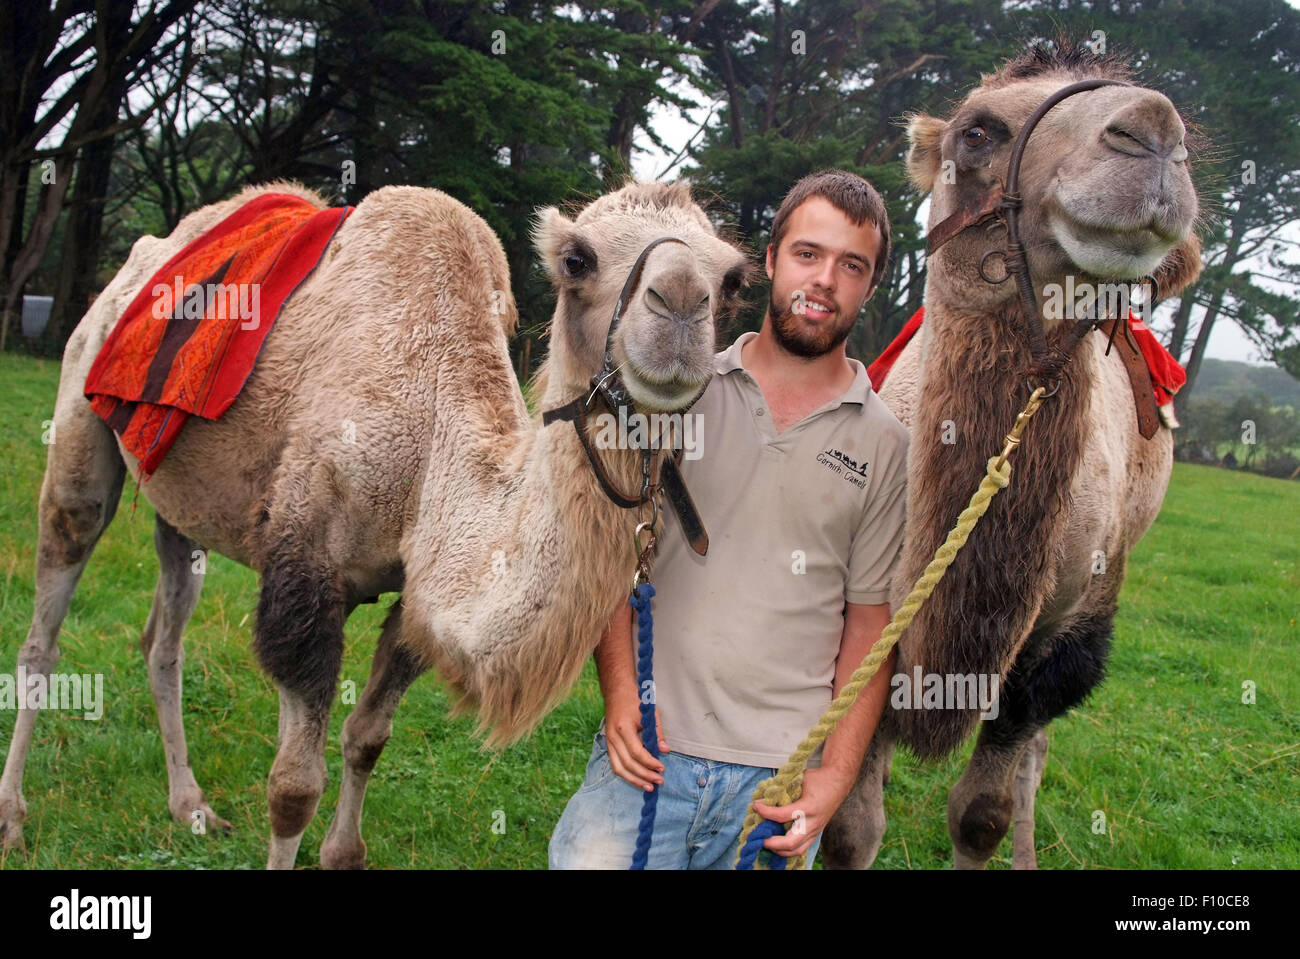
point(1187, 775)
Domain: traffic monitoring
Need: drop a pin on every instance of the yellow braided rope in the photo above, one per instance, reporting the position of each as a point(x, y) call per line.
point(787, 785)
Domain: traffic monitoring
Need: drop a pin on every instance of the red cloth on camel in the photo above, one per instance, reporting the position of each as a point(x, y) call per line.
point(189, 339)
point(1167, 376)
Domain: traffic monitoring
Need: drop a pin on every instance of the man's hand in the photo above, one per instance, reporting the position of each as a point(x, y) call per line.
point(627, 756)
point(824, 789)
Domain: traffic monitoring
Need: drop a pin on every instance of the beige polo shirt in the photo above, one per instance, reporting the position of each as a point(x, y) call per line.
point(799, 523)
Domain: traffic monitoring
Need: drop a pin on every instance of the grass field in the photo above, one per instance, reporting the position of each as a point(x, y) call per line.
point(1187, 775)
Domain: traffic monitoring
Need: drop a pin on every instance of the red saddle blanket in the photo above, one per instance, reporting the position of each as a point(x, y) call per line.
point(1167, 376)
point(188, 341)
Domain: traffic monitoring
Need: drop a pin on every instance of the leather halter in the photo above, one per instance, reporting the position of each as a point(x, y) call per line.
point(609, 386)
point(1002, 204)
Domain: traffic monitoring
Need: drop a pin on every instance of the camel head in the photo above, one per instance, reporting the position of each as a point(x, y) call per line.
point(1106, 189)
point(665, 341)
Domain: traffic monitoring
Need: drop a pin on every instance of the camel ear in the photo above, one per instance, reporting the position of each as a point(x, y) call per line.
point(925, 134)
point(550, 230)
point(1180, 267)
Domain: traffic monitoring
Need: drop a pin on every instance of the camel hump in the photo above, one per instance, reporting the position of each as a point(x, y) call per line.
point(431, 241)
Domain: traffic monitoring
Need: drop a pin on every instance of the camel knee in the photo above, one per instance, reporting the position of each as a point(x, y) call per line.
point(69, 529)
point(38, 655)
point(852, 838)
point(364, 740)
point(293, 794)
point(978, 825)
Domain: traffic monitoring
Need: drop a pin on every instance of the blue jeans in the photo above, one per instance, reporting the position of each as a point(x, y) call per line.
point(702, 807)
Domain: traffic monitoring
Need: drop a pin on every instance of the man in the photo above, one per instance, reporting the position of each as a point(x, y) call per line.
point(801, 486)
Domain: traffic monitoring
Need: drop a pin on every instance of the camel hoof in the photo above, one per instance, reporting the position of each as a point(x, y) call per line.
point(338, 856)
point(13, 812)
point(200, 818)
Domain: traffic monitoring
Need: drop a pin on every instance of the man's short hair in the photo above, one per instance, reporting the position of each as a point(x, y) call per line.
point(851, 195)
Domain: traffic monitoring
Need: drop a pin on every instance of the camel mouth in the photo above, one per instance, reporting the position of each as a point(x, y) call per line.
point(657, 392)
point(1112, 251)
point(664, 364)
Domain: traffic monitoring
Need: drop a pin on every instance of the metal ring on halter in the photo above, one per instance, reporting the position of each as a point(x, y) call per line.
point(654, 514)
point(1154, 298)
point(1006, 274)
point(1056, 385)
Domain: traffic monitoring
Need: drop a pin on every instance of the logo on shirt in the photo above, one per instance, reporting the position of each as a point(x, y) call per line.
point(845, 466)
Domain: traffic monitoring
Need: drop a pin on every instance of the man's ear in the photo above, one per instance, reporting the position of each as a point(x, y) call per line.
point(771, 261)
point(925, 134)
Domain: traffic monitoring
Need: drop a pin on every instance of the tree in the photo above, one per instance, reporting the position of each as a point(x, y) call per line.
point(64, 73)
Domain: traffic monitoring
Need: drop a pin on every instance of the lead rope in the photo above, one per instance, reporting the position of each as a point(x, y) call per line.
point(787, 785)
point(640, 601)
point(642, 592)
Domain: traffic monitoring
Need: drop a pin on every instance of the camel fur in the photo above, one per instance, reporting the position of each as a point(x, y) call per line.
point(382, 443)
point(1031, 597)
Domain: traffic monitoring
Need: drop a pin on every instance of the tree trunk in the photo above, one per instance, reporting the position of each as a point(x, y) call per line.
point(779, 49)
point(1178, 338)
point(1231, 255)
point(29, 258)
point(1193, 364)
point(13, 201)
point(734, 106)
point(81, 244)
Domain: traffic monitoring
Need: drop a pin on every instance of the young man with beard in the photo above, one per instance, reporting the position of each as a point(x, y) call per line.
point(801, 487)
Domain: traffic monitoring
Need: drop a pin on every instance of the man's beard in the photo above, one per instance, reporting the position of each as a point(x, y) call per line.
point(806, 344)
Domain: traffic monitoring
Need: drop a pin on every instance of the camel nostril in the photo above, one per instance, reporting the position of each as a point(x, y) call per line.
point(656, 302)
point(1145, 125)
point(1127, 142)
point(683, 305)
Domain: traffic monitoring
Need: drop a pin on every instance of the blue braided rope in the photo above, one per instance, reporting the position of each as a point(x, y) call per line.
point(753, 845)
point(640, 600)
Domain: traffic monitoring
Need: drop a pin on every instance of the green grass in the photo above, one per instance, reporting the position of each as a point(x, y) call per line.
point(1187, 775)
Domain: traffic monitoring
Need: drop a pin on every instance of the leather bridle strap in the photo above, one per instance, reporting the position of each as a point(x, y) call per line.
point(1004, 203)
point(1012, 200)
point(976, 210)
point(609, 386)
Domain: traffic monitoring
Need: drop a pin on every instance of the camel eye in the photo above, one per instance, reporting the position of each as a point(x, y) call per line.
point(975, 137)
point(578, 263)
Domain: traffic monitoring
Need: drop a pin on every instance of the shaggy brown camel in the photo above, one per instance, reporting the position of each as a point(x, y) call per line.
point(382, 443)
point(1029, 601)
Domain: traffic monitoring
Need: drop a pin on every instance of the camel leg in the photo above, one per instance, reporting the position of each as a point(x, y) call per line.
point(299, 641)
point(173, 604)
point(79, 495)
point(852, 838)
point(1028, 776)
point(1051, 675)
point(980, 805)
point(364, 734)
